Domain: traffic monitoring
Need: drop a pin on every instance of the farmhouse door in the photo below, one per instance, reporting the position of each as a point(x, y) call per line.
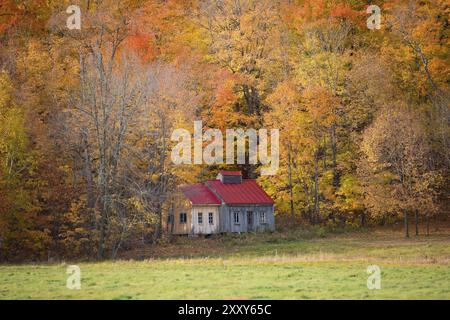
point(249, 220)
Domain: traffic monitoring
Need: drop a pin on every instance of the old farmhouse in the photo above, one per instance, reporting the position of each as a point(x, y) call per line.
point(227, 204)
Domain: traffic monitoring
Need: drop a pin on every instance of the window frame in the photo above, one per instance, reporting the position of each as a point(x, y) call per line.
point(236, 217)
point(183, 217)
point(262, 217)
point(250, 218)
point(200, 217)
point(211, 218)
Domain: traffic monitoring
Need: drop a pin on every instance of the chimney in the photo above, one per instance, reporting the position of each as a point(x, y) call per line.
point(229, 176)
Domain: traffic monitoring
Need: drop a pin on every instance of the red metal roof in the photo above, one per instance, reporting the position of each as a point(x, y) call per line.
point(247, 192)
point(200, 194)
point(230, 173)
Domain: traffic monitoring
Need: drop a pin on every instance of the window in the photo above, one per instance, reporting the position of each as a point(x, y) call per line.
point(210, 218)
point(236, 217)
point(183, 217)
point(250, 218)
point(200, 217)
point(170, 219)
point(262, 217)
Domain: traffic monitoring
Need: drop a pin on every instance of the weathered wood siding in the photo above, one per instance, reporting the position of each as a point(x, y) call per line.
point(178, 227)
point(192, 226)
point(227, 223)
point(205, 227)
point(223, 218)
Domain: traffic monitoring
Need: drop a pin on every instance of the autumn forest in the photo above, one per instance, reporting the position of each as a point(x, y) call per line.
point(86, 115)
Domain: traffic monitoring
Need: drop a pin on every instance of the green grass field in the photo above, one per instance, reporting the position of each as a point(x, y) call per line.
point(270, 266)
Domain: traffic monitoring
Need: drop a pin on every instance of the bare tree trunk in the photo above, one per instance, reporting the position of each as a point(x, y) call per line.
point(171, 221)
point(158, 225)
point(307, 212)
point(416, 215)
point(88, 171)
point(116, 248)
point(291, 193)
point(310, 216)
point(363, 219)
point(252, 99)
point(103, 223)
point(418, 50)
point(405, 216)
point(315, 218)
point(104, 95)
point(334, 156)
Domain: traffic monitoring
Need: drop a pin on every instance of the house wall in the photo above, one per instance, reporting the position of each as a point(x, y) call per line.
point(192, 226)
point(205, 227)
point(223, 218)
point(178, 227)
point(227, 223)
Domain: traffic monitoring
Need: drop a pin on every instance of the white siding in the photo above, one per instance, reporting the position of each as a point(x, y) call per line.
point(205, 227)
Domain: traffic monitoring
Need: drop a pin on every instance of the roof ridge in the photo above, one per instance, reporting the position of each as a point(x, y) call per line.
point(240, 193)
point(214, 191)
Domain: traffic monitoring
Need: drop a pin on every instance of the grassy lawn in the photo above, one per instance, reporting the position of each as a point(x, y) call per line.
point(273, 266)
